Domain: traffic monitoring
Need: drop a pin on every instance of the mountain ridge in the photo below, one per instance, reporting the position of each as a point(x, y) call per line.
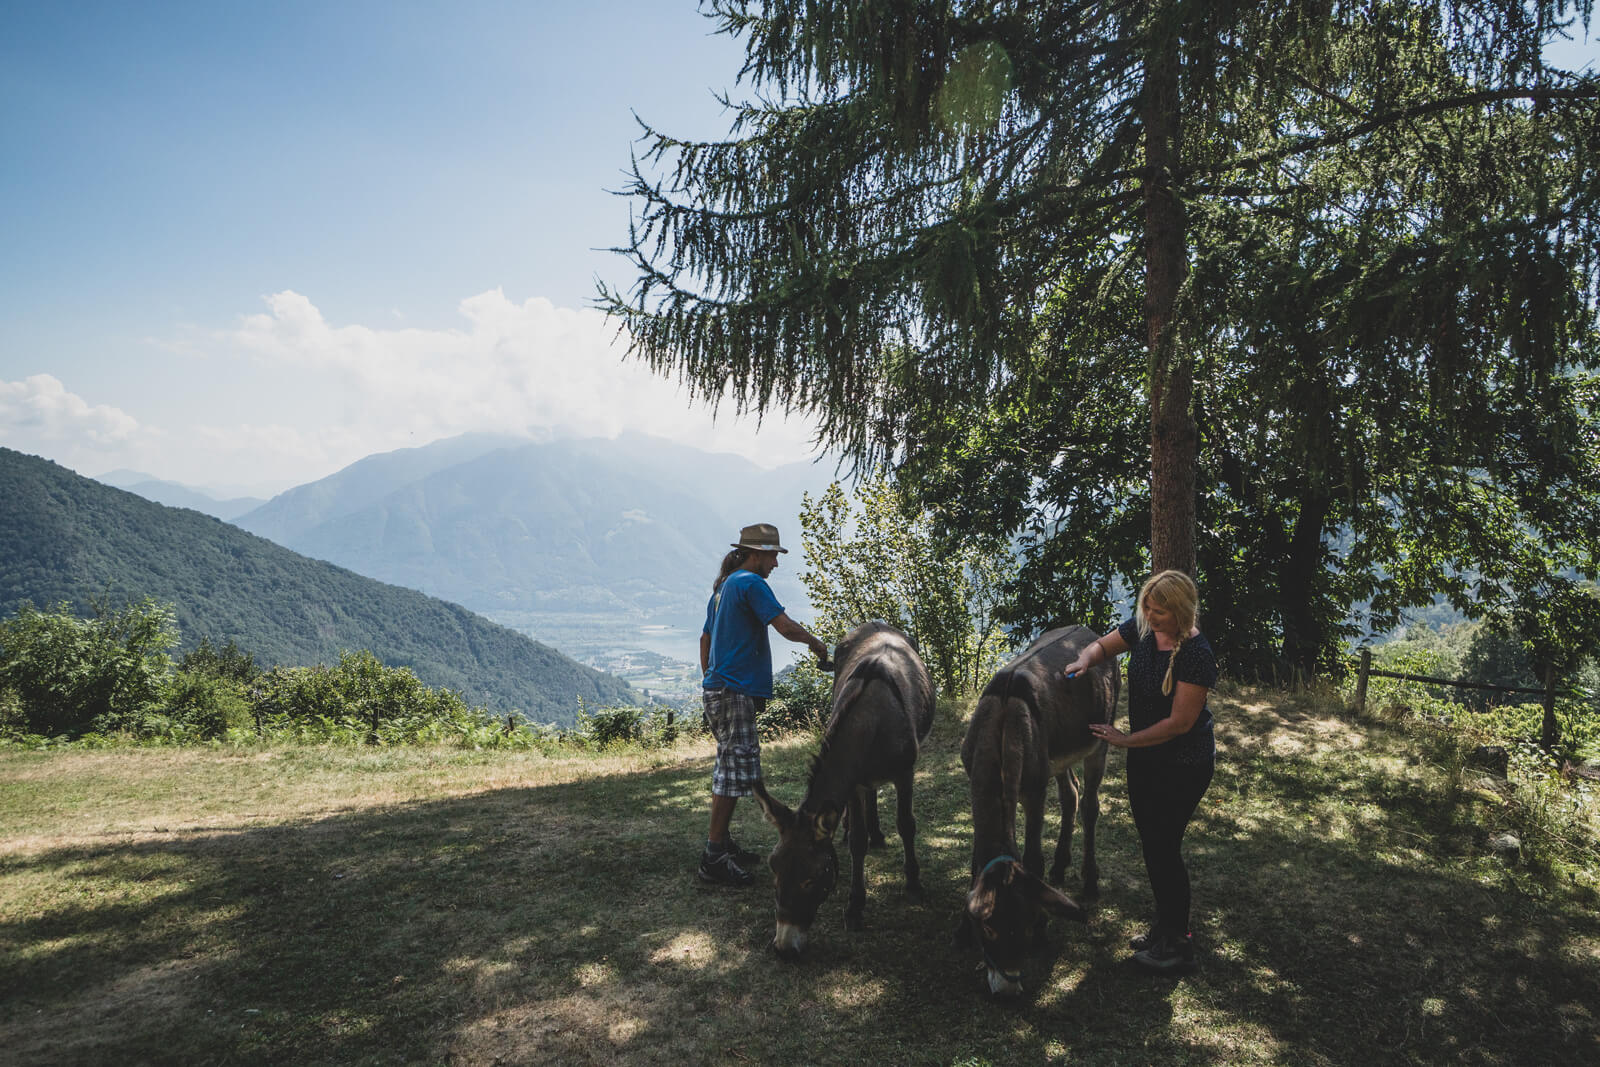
point(533, 533)
point(64, 537)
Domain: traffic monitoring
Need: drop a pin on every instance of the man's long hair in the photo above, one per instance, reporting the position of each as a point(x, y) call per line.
point(730, 563)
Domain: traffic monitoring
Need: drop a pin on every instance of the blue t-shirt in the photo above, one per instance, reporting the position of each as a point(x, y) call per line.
point(737, 617)
point(1148, 705)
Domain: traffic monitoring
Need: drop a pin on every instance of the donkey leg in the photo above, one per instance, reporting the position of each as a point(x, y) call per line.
point(1067, 791)
point(874, 830)
point(858, 860)
point(1094, 770)
point(1033, 831)
point(906, 823)
point(1033, 847)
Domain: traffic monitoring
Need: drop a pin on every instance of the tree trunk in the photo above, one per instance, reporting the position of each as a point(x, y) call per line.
point(1302, 627)
point(1173, 438)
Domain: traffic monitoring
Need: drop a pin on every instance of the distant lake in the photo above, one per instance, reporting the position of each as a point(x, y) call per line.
point(677, 642)
point(674, 642)
point(586, 637)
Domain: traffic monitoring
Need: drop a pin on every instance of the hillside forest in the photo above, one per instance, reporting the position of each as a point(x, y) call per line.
point(65, 539)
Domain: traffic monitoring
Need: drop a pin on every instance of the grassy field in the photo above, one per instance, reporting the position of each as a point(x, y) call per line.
point(324, 905)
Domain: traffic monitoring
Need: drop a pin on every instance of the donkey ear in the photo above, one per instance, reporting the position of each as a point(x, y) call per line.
point(775, 811)
point(1056, 902)
point(980, 902)
point(826, 822)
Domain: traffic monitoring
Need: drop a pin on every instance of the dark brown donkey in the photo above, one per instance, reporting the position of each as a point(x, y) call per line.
point(882, 711)
point(1032, 724)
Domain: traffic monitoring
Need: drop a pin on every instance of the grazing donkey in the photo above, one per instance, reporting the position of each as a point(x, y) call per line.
point(882, 711)
point(1032, 724)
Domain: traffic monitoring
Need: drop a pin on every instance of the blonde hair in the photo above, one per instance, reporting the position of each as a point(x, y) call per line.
point(1175, 592)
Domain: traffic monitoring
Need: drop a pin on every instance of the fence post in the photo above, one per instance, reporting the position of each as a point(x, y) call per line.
point(1550, 736)
point(1361, 681)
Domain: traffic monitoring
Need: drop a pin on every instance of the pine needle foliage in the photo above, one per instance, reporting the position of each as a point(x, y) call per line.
point(1307, 289)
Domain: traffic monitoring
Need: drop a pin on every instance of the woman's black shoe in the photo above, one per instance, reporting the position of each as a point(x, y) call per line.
point(1167, 955)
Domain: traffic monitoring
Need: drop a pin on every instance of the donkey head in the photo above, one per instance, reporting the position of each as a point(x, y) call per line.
point(1004, 904)
point(804, 867)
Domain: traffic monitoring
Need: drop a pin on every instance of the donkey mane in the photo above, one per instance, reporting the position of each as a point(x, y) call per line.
point(859, 678)
point(1009, 683)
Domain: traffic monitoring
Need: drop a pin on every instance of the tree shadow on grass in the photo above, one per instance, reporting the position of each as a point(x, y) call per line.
point(563, 923)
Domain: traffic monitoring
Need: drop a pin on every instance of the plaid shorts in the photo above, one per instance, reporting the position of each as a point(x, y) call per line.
point(731, 718)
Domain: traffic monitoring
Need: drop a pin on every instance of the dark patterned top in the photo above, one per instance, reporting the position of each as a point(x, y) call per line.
point(1148, 705)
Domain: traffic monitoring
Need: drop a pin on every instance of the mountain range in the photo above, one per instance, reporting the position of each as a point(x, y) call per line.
point(66, 538)
point(177, 495)
point(587, 544)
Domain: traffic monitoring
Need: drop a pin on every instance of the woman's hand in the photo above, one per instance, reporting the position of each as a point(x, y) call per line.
point(1108, 647)
point(1109, 734)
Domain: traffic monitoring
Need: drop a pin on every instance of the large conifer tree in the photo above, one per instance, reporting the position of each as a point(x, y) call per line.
point(938, 223)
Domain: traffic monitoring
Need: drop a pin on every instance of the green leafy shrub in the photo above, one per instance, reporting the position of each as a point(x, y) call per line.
point(613, 726)
point(72, 675)
point(801, 701)
point(228, 661)
point(624, 724)
point(359, 699)
point(12, 722)
point(890, 562)
point(207, 705)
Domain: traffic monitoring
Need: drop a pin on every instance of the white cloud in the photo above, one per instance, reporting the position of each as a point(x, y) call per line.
point(38, 413)
point(286, 397)
point(528, 368)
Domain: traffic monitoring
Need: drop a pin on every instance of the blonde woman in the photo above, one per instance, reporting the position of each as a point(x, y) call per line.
point(1172, 754)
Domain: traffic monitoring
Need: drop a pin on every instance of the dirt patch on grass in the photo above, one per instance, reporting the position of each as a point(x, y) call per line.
point(1253, 723)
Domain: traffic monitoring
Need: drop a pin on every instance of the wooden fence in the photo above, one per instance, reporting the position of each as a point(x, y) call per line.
point(1549, 733)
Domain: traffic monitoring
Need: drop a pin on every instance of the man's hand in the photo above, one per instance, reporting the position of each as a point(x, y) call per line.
point(824, 661)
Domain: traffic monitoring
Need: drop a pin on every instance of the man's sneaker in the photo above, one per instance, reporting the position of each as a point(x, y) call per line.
point(723, 869)
point(1167, 954)
point(741, 855)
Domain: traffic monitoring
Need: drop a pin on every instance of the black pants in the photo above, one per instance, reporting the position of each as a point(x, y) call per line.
point(1164, 797)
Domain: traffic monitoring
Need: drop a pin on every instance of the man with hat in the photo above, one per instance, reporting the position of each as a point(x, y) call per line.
point(736, 659)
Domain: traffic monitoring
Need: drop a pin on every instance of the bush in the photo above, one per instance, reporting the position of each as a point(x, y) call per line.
point(612, 726)
point(360, 699)
point(802, 699)
point(12, 722)
point(207, 705)
point(626, 725)
point(74, 675)
point(230, 661)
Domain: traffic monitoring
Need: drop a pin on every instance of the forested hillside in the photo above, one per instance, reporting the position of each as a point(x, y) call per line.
point(68, 538)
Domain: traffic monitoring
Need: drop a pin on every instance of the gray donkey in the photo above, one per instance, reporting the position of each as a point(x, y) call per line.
point(882, 712)
point(1032, 724)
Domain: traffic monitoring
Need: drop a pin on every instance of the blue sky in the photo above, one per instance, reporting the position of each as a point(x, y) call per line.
point(244, 245)
point(248, 244)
